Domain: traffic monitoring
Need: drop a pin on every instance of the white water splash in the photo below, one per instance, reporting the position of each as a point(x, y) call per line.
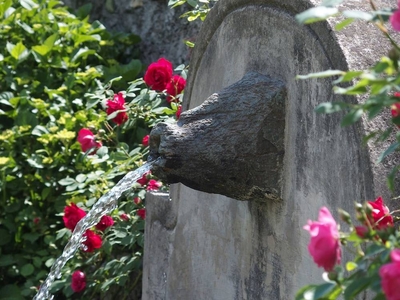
point(105, 205)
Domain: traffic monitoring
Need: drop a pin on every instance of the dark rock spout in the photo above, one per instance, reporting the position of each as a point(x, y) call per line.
point(232, 144)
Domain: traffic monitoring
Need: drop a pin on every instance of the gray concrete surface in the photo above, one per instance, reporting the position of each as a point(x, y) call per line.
point(220, 248)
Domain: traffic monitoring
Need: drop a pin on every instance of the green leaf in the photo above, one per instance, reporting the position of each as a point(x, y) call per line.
point(80, 38)
point(352, 117)
point(316, 14)
point(42, 49)
point(10, 292)
point(28, 4)
point(391, 177)
point(5, 237)
point(343, 24)
point(355, 287)
point(330, 107)
point(357, 14)
point(67, 181)
point(327, 73)
point(18, 51)
point(350, 266)
point(27, 270)
point(82, 53)
point(393, 147)
point(4, 5)
point(25, 26)
point(7, 260)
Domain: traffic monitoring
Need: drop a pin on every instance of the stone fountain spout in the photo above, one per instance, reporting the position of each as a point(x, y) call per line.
point(232, 144)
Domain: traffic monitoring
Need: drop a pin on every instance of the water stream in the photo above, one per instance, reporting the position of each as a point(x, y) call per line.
point(105, 205)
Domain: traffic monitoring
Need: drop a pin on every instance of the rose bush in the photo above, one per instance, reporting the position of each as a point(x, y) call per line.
point(375, 242)
point(66, 140)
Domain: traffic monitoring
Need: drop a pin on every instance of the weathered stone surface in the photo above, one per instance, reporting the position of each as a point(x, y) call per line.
point(232, 144)
point(221, 248)
point(160, 28)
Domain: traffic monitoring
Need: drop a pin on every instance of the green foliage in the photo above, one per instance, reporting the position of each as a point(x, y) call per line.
point(51, 60)
point(200, 9)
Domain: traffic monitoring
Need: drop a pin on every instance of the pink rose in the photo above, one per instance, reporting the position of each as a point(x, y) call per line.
point(141, 213)
point(158, 74)
point(72, 215)
point(153, 185)
point(145, 140)
point(87, 140)
point(93, 241)
point(175, 87)
point(324, 246)
point(117, 104)
point(78, 282)
point(178, 112)
point(395, 20)
point(390, 276)
point(380, 218)
point(105, 222)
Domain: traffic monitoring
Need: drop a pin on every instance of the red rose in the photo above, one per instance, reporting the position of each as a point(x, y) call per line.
point(361, 231)
point(175, 87)
point(72, 215)
point(324, 245)
point(105, 222)
point(158, 74)
point(78, 282)
point(390, 276)
point(141, 213)
point(36, 220)
point(137, 200)
point(144, 180)
point(145, 140)
point(179, 111)
point(380, 217)
point(124, 217)
point(93, 241)
point(153, 185)
point(87, 140)
point(117, 104)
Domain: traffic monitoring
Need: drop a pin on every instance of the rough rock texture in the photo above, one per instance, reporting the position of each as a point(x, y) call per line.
point(160, 28)
point(221, 248)
point(234, 141)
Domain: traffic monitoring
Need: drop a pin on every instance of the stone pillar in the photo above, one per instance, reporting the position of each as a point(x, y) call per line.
point(220, 248)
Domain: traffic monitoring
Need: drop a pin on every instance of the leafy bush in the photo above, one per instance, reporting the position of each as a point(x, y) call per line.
point(53, 58)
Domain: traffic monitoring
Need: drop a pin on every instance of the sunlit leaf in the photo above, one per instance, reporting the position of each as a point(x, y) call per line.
point(316, 14)
point(328, 73)
point(357, 14)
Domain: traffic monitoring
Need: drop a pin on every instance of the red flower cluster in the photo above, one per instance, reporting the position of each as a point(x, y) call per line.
point(104, 223)
point(93, 241)
point(175, 87)
point(159, 77)
point(78, 282)
point(141, 213)
point(380, 217)
point(324, 232)
point(117, 104)
point(153, 185)
point(145, 140)
point(87, 140)
point(395, 108)
point(72, 215)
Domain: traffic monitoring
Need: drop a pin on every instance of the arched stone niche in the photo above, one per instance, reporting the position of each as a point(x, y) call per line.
point(208, 246)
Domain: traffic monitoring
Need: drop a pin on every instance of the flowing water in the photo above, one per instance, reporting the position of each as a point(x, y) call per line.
point(105, 205)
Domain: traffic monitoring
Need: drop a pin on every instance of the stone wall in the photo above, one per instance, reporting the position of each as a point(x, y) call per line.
point(208, 246)
point(161, 29)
